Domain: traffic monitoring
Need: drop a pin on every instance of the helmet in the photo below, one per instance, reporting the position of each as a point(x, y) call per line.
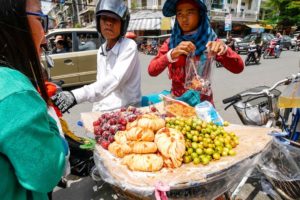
point(116, 7)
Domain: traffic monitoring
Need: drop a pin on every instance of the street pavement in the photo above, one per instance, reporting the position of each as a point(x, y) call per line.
point(225, 84)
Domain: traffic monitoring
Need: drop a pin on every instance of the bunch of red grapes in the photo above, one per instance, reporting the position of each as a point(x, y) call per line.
point(109, 123)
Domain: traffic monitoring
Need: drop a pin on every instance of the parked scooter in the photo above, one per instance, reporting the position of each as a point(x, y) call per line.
point(252, 55)
point(273, 50)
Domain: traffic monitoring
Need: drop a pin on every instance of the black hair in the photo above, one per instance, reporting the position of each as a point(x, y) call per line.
point(17, 49)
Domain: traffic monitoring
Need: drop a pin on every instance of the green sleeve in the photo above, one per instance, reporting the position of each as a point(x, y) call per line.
point(31, 141)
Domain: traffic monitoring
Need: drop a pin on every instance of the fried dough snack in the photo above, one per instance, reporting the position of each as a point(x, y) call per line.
point(151, 121)
point(142, 147)
point(143, 162)
point(119, 150)
point(120, 137)
point(140, 134)
point(170, 142)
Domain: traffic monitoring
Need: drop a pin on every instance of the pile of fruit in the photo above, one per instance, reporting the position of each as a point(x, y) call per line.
point(204, 141)
point(142, 140)
point(108, 124)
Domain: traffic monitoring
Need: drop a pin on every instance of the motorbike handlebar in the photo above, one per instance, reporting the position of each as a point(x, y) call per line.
point(236, 97)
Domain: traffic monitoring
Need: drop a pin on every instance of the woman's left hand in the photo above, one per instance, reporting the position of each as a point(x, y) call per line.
point(216, 48)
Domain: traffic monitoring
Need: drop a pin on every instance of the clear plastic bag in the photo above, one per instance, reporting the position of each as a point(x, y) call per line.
point(290, 97)
point(207, 112)
point(176, 108)
point(280, 163)
point(198, 73)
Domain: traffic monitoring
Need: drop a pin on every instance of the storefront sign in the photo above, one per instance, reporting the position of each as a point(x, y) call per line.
point(228, 22)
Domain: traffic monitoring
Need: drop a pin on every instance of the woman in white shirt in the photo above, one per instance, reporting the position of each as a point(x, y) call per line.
point(118, 68)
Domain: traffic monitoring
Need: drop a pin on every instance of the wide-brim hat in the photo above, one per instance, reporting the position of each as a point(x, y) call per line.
point(169, 8)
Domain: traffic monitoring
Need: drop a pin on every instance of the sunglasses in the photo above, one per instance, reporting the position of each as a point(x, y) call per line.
point(43, 19)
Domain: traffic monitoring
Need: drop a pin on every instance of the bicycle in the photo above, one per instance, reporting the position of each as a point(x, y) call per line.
point(258, 106)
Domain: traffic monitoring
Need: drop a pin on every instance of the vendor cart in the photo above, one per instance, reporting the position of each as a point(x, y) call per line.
point(188, 181)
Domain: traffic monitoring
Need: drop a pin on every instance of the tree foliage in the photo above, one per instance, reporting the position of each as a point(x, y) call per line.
point(282, 12)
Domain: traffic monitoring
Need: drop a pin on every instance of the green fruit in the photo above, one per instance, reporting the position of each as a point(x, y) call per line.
point(205, 161)
point(188, 128)
point(195, 138)
point(199, 151)
point(232, 152)
point(225, 123)
point(217, 143)
point(190, 151)
point(228, 146)
point(189, 136)
point(194, 155)
point(216, 156)
point(209, 151)
point(225, 153)
point(194, 145)
point(196, 161)
point(187, 159)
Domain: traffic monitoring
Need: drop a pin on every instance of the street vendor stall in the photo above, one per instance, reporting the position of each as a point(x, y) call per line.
point(201, 181)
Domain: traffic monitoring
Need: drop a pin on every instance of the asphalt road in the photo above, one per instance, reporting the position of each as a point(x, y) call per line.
point(225, 84)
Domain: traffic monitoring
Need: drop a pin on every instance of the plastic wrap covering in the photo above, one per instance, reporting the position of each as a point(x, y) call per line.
point(188, 181)
point(280, 163)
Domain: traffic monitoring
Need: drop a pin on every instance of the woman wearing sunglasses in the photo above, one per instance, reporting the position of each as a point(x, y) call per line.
point(32, 152)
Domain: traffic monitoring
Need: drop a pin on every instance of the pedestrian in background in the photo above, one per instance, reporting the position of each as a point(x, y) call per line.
point(59, 45)
point(230, 42)
point(118, 67)
point(191, 33)
point(32, 152)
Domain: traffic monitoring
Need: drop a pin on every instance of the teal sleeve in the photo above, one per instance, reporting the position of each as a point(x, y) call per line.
point(30, 139)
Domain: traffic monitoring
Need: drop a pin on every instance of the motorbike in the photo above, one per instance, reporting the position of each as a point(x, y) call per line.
point(273, 49)
point(297, 46)
point(252, 55)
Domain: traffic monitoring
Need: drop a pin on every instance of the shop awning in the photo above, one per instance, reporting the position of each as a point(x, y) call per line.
point(144, 24)
point(255, 26)
point(268, 26)
point(149, 20)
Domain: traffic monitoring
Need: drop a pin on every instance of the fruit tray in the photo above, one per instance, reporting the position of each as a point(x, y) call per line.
point(189, 181)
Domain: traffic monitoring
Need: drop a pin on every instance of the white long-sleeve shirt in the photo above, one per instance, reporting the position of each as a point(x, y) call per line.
point(118, 78)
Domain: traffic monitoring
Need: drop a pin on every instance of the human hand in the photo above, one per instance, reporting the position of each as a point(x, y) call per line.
point(184, 48)
point(64, 100)
point(216, 48)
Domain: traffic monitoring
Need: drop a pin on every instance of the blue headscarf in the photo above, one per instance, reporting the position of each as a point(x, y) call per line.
point(200, 38)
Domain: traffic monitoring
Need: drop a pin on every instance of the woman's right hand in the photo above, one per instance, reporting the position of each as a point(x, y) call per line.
point(184, 48)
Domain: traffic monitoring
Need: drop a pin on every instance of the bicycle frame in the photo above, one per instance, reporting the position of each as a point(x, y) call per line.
point(292, 131)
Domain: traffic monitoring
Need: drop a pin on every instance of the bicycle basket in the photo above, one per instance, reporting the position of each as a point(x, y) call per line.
point(255, 110)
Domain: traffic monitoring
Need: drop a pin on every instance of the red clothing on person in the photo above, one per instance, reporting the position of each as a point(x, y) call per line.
point(51, 91)
point(230, 60)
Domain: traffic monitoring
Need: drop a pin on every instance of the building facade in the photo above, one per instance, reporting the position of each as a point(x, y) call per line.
point(86, 12)
point(146, 16)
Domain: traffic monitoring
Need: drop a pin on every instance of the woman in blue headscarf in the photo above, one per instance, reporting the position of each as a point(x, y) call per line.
point(191, 34)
